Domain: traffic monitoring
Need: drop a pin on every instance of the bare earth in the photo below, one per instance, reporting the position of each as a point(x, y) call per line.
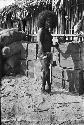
point(22, 103)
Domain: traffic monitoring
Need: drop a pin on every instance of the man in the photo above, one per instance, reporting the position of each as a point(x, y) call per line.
point(45, 43)
point(44, 39)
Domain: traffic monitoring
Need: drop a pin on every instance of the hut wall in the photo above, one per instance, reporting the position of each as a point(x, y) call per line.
point(68, 16)
point(69, 13)
point(34, 11)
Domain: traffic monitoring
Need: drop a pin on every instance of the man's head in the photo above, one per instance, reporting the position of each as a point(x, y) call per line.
point(47, 19)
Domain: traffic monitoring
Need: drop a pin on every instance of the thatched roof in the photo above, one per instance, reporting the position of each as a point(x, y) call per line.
point(37, 3)
point(11, 8)
point(31, 7)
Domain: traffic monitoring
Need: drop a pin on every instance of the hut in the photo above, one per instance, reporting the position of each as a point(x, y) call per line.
point(69, 13)
point(27, 12)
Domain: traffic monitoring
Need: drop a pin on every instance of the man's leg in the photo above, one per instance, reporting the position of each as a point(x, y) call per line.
point(47, 71)
point(43, 77)
point(43, 82)
point(46, 75)
point(71, 81)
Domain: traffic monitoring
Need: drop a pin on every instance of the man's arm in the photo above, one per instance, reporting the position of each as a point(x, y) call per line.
point(40, 39)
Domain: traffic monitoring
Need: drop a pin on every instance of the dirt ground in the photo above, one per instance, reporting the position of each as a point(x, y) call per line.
point(22, 102)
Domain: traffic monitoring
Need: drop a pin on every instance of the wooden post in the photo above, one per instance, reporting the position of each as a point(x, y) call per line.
point(64, 13)
point(36, 50)
point(27, 61)
point(50, 73)
point(63, 80)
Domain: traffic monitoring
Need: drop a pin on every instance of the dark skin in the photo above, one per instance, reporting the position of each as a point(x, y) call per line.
point(46, 23)
point(44, 39)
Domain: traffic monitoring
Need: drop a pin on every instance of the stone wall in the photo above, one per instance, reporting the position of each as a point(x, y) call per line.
point(69, 65)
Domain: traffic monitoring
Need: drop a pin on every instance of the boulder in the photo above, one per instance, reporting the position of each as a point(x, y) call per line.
point(13, 49)
point(13, 55)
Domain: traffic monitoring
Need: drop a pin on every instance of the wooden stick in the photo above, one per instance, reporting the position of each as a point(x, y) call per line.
point(59, 35)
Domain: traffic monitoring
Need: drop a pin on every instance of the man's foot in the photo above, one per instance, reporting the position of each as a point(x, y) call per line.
point(81, 93)
point(72, 90)
point(48, 91)
point(43, 90)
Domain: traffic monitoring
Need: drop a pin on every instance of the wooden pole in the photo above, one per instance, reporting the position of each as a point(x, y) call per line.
point(36, 50)
point(27, 61)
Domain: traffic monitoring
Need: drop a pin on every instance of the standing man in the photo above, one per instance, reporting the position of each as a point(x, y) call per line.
point(47, 20)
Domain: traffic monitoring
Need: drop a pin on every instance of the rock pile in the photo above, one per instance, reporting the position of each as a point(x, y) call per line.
point(13, 51)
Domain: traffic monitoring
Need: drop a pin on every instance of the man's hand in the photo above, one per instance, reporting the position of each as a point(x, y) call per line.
point(57, 45)
point(81, 33)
